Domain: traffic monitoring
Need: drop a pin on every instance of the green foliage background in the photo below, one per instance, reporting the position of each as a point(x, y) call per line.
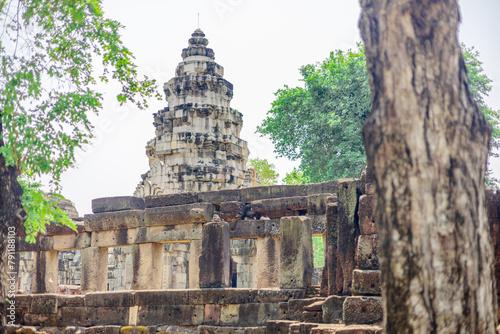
point(321, 123)
point(267, 171)
point(319, 252)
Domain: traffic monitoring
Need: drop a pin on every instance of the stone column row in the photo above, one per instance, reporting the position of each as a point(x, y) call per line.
point(285, 262)
point(146, 267)
point(146, 264)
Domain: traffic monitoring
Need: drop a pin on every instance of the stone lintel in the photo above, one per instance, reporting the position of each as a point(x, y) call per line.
point(122, 203)
point(174, 233)
point(244, 229)
point(171, 199)
point(179, 214)
point(113, 238)
point(279, 207)
point(58, 229)
point(114, 220)
point(66, 241)
point(251, 194)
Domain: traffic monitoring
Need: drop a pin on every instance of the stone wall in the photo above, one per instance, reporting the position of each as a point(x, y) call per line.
point(189, 308)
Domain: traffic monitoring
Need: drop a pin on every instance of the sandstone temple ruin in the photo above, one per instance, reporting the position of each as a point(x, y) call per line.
point(198, 249)
point(284, 300)
point(197, 145)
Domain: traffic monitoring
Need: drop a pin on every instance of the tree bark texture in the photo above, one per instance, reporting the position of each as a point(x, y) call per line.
point(11, 215)
point(427, 142)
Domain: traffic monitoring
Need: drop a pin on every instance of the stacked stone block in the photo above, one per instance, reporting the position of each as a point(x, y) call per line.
point(365, 306)
point(351, 276)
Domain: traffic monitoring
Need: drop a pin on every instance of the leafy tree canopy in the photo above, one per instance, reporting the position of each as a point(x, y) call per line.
point(320, 124)
point(49, 50)
point(295, 177)
point(267, 171)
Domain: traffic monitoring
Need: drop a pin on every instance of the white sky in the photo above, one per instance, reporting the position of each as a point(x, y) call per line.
point(261, 45)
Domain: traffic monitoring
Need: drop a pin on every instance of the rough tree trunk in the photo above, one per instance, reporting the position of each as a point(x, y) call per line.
point(11, 215)
point(427, 142)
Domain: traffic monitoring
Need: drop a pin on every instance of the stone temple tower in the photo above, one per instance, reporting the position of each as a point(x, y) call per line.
point(197, 146)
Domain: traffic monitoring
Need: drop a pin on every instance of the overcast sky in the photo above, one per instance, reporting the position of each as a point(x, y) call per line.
point(261, 45)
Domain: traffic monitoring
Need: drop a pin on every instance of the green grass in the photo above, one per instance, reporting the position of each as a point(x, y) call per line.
point(319, 254)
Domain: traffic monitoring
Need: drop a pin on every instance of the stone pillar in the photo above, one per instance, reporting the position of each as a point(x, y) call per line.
point(94, 274)
point(147, 260)
point(194, 264)
point(45, 276)
point(348, 229)
point(268, 262)
point(215, 255)
point(296, 254)
point(332, 271)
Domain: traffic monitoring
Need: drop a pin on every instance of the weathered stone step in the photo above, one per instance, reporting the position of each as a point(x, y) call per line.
point(314, 312)
point(296, 307)
point(313, 291)
point(316, 306)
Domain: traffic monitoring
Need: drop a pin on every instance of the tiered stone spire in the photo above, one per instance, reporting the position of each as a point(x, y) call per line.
point(197, 145)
